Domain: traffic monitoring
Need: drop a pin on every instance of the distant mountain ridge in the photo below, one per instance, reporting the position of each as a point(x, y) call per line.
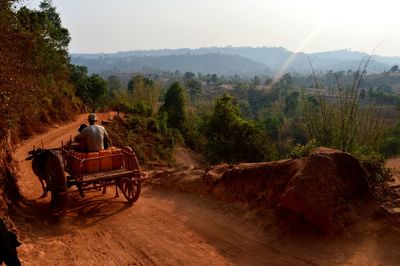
point(231, 60)
point(203, 63)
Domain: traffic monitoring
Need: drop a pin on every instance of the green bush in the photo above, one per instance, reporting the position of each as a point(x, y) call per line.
point(303, 150)
point(147, 136)
point(141, 108)
point(373, 162)
point(136, 123)
point(390, 143)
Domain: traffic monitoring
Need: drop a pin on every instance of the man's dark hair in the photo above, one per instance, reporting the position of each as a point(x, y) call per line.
point(82, 126)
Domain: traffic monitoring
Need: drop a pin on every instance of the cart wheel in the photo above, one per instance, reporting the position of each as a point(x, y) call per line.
point(57, 183)
point(131, 189)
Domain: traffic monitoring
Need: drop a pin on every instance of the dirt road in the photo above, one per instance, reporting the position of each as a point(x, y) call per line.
point(169, 228)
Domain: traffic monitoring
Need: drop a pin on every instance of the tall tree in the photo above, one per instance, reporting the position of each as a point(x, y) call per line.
point(189, 75)
point(97, 90)
point(256, 81)
point(194, 88)
point(291, 103)
point(175, 107)
point(136, 84)
point(114, 85)
point(144, 90)
point(214, 78)
point(394, 68)
point(229, 137)
point(79, 77)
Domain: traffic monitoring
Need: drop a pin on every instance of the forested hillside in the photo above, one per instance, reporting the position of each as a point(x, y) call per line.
point(34, 74)
point(231, 60)
point(204, 63)
point(35, 84)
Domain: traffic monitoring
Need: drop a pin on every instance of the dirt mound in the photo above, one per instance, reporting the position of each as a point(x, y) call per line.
point(322, 189)
point(328, 190)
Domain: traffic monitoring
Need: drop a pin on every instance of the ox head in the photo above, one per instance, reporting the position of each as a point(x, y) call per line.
point(33, 153)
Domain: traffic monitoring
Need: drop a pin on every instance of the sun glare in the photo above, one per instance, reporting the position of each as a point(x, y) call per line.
point(283, 69)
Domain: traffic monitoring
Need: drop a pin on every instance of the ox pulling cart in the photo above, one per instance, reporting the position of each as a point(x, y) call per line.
point(62, 168)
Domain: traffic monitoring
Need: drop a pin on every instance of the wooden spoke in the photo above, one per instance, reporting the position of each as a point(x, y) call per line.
point(130, 188)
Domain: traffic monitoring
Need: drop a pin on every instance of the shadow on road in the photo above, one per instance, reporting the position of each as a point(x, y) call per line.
point(81, 212)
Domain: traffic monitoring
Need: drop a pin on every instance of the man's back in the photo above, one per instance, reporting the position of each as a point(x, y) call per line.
point(93, 137)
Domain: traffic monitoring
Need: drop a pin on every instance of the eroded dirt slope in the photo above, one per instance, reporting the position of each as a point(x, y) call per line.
point(171, 228)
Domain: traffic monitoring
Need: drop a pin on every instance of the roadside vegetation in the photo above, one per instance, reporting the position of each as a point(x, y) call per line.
point(34, 74)
point(226, 118)
point(230, 119)
point(35, 87)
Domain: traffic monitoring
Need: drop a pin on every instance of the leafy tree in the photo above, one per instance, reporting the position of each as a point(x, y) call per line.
point(97, 90)
point(214, 78)
point(272, 124)
point(245, 109)
point(175, 107)
point(291, 103)
point(260, 99)
point(229, 137)
point(143, 89)
point(139, 84)
point(79, 77)
point(394, 68)
point(136, 84)
point(189, 75)
point(256, 81)
point(51, 39)
point(194, 87)
point(390, 144)
point(114, 85)
point(93, 89)
point(385, 88)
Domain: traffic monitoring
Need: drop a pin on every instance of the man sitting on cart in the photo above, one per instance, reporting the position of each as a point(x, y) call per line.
point(92, 138)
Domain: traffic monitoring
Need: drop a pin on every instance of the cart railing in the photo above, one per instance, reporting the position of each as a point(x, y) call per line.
point(78, 165)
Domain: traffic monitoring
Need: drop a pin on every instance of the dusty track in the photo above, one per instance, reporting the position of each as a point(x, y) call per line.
point(167, 228)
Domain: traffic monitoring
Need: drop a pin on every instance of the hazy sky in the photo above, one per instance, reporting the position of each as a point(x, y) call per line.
point(308, 25)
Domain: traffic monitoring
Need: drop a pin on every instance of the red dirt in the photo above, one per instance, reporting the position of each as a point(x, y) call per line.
point(323, 189)
point(172, 228)
point(394, 165)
